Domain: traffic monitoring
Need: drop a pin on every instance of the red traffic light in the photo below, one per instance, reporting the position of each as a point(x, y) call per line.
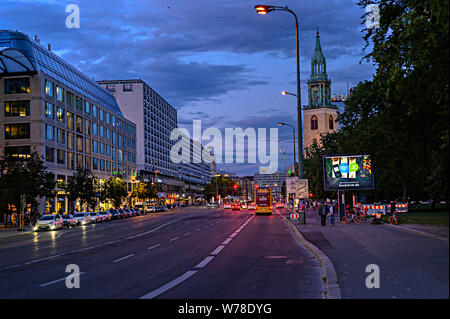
point(235, 186)
point(256, 186)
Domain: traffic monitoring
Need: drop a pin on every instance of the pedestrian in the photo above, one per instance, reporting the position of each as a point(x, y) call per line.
point(332, 213)
point(323, 215)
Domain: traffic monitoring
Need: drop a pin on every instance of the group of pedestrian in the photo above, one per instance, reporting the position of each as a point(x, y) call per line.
point(327, 209)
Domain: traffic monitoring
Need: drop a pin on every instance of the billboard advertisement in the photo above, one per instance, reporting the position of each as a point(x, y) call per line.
point(348, 172)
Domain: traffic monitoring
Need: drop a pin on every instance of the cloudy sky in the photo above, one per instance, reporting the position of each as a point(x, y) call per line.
point(215, 61)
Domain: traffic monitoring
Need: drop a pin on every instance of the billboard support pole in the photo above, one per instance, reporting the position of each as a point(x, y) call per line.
point(341, 202)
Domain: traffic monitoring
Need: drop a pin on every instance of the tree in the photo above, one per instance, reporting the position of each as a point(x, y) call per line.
point(145, 190)
point(116, 190)
point(27, 177)
point(82, 186)
point(220, 185)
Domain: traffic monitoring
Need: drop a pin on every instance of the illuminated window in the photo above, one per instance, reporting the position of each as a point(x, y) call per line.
point(60, 114)
point(69, 120)
point(17, 108)
point(49, 88)
point(59, 94)
point(14, 86)
point(70, 99)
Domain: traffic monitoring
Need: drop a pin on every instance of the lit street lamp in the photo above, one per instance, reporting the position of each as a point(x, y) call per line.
point(264, 9)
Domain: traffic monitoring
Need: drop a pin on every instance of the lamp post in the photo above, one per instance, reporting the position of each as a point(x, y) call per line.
point(293, 134)
point(264, 9)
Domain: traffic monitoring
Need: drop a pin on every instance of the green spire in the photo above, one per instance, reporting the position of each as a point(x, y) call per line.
point(318, 61)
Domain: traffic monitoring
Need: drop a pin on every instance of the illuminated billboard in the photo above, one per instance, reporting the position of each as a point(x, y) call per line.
point(348, 172)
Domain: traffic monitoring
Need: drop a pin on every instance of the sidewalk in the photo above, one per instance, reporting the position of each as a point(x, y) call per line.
point(10, 232)
point(412, 264)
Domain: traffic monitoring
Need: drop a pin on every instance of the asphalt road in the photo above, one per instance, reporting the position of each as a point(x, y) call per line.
point(191, 253)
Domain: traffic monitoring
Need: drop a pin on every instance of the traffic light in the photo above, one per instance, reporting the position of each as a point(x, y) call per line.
point(256, 186)
point(311, 195)
point(235, 186)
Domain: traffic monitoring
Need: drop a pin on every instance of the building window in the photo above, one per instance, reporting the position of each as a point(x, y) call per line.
point(87, 161)
point(95, 163)
point(102, 165)
point(88, 146)
point(100, 114)
point(60, 114)
point(69, 120)
point(94, 146)
point(79, 103)
point(49, 110)
point(49, 154)
point(60, 136)
point(94, 128)
point(70, 161)
point(111, 88)
point(79, 143)
point(17, 131)
point(101, 131)
point(14, 86)
point(49, 88)
point(314, 123)
point(107, 117)
point(79, 124)
point(17, 108)
point(61, 157)
point(94, 111)
point(113, 120)
point(87, 125)
point(128, 88)
point(49, 132)
point(87, 107)
point(70, 99)
point(21, 152)
point(79, 160)
point(60, 180)
point(70, 138)
point(59, 94)
point(331, 122)
point(102, 148)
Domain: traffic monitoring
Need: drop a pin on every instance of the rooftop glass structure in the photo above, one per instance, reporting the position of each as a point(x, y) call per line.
point(19, 54)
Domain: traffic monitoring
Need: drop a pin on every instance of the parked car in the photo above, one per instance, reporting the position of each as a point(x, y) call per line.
point(211, 205)
point(150, 209)
point(251, 206)
point(49, 222)
point(123, 213)
point(69, 220)
point(95, 217)
point(82, 218)
point(106, 216)
point(115, 214)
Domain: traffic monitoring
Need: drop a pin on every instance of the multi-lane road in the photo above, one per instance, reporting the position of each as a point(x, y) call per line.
point(190, 253)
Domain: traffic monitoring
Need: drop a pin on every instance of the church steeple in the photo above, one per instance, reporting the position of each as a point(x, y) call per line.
point(319, 85)
point(318, 62)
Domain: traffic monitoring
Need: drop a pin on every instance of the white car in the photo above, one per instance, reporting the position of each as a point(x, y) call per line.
point(244, 206)
point(49, 222)
point(96, 217)
point(251, 206)
point(82, 218)
point(106, 216)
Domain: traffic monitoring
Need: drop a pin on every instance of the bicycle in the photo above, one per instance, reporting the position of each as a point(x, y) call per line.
point(351, 218)
point(394, 219)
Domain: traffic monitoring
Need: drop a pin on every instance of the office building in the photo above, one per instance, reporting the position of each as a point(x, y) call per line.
point(51, 107)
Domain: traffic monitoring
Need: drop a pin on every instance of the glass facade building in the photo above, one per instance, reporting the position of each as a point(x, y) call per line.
point(50, 106)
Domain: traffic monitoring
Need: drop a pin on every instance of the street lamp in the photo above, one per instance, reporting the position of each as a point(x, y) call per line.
point(293, 134)
point(264, 9)
point(288, 93)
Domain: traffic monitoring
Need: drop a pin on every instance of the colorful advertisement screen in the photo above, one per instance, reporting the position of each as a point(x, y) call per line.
point(348, 172)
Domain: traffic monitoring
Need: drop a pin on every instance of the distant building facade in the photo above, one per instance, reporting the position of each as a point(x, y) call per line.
point(273, 181)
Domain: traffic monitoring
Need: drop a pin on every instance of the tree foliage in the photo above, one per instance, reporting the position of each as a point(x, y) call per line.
point(82, 186)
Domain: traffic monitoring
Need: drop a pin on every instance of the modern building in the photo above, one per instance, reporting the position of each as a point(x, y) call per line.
point(320, 114)
point(273, 181)
point(51, 107)
point(248, 187)
point(155, 119)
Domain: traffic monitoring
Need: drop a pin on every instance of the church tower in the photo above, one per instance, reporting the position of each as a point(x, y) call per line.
point(319, 115)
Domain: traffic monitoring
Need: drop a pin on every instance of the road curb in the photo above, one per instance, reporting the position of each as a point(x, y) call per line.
point(332, 288)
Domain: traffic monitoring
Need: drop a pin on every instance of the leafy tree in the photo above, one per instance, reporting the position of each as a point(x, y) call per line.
point(222, 186)
point(116, 190)
point(27, 177)
point(145, 190)
point(82, 186)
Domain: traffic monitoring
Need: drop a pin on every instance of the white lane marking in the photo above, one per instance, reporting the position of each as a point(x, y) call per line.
point(120, 259)
point(91, 247)
point(154, 246)
point(198, 229)
point(227, 241)
point(57, 280)
point(233, 235)
point(217, 250)
point(204, 262)
point(169, 285)
point(187, 234)
point(175, 238)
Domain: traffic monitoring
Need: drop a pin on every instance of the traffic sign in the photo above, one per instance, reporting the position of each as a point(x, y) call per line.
point(295, 216)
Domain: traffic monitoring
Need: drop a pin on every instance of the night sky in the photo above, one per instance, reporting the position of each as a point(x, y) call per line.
point(215, 61)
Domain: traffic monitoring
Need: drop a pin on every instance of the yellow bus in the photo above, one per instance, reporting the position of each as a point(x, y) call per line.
point(263, 201)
